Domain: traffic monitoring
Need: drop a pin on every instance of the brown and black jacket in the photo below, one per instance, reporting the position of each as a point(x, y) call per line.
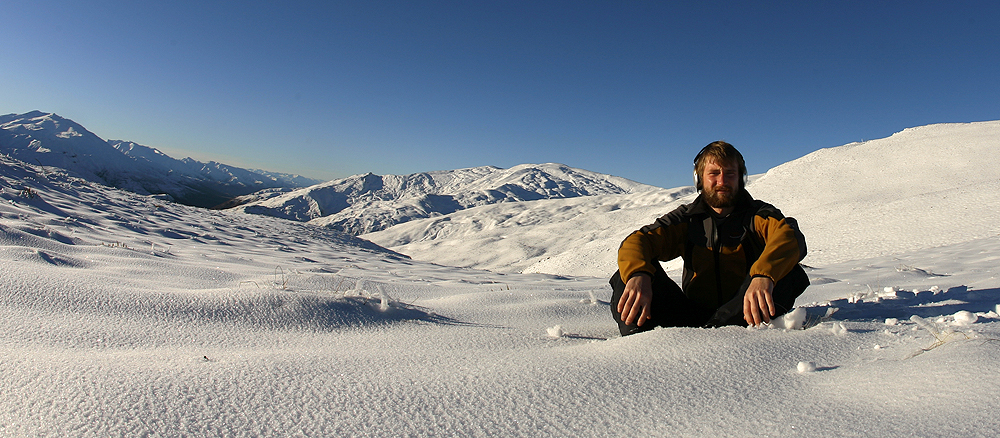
point(718, 252)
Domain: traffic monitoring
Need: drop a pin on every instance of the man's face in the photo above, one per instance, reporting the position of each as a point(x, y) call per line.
point(719, 183)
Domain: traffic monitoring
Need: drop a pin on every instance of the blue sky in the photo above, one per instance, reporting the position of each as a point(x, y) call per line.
point(329, 89)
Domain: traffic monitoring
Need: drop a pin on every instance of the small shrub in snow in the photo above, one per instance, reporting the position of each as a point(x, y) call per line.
point(27, 192)
point(942, 336)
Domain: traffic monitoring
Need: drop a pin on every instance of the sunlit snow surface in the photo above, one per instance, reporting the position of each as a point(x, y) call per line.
point(124, 315)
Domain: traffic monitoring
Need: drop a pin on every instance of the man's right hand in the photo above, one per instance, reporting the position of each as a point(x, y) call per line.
point(636, 299)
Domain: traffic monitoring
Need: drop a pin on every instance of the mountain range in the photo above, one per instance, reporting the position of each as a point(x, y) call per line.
point(50, 140)
point(366, 203)
point(921, 187)
point(357, 204)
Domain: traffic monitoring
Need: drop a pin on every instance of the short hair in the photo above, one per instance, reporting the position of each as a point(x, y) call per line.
point(719, 152)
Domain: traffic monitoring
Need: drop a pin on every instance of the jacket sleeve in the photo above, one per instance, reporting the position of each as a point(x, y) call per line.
point(639, 251)
point(784, 246)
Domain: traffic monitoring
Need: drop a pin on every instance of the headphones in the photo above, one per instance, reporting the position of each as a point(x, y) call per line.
point(729, 151)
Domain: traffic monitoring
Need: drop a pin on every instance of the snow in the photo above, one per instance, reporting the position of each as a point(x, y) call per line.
point(852, 202)
point(123, 314)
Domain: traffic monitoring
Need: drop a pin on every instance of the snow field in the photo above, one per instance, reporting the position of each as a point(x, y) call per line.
point(128, 315)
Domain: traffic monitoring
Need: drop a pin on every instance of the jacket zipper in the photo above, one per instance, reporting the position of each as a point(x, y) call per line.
point(717, 253)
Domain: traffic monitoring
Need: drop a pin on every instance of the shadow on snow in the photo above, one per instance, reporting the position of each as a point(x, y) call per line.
point(924, 304)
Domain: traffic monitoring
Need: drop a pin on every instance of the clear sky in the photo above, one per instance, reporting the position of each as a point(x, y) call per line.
point(329, 88)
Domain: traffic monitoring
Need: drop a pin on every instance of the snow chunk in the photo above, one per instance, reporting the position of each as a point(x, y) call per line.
point(965, 317)
point(592, 300)
point(792, 320)
point(838, 329)
point(806, 367)
point(891, 321)
point(555, 332)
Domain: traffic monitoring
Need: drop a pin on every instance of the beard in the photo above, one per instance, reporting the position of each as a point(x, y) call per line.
point(720, 197)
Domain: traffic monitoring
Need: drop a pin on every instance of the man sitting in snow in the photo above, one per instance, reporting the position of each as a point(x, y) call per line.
point(741, 257)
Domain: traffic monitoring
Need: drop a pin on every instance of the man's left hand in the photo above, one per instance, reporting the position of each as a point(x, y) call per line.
point(758, 304)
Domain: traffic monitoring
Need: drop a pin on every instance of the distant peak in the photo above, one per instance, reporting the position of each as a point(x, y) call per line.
point(36, 114)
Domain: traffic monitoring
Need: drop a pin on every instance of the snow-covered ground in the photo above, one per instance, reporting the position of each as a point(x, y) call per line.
point(125, 315)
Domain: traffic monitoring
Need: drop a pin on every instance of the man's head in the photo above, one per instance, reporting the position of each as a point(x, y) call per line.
point(719, 172)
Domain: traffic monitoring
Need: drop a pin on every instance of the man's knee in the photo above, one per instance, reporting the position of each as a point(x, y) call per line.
point(789, 288)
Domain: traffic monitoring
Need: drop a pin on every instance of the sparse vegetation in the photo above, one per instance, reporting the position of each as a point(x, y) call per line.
point(116, 245)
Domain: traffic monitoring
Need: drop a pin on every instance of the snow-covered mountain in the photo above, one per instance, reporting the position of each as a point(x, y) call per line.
point(50, 140)
point(366, 203)
point(922, 187)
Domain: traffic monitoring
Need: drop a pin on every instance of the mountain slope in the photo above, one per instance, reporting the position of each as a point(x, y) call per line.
point(50, 140)
point(366, 203)
point(69, 210)
point(939, 180)
point(922, 187)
